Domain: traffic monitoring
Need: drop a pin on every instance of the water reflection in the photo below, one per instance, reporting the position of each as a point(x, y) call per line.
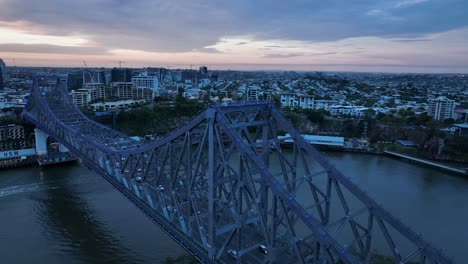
point(67, 215)
point(72, 226)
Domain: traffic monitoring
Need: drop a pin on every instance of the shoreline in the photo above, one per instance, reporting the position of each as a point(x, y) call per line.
point(460, 171)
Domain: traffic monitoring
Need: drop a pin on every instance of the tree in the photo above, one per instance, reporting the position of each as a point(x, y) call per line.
point(423, 119)
point(314, 116)
point(180, 91)
point(370, 113)
point(449, 121)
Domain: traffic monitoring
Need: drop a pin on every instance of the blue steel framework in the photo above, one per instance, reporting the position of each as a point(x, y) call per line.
point(223, 183)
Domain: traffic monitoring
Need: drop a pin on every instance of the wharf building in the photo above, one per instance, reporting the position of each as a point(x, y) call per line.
point(15, 147)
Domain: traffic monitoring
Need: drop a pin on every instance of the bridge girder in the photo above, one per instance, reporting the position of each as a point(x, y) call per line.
point(224, 182)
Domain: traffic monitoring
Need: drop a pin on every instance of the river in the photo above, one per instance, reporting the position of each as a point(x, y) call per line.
point(67, 214)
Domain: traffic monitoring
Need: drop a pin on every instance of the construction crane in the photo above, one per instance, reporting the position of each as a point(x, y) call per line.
point(91, 76)
point(120, 63)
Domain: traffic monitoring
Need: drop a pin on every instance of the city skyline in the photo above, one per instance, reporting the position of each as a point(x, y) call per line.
point(383, 36)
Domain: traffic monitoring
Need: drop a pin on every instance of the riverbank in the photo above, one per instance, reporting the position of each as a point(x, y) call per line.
point(446, 168)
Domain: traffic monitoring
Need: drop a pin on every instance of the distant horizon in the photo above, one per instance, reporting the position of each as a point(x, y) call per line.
point(241, 67)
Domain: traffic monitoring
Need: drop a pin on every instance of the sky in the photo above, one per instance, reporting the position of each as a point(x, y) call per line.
point(331, 35)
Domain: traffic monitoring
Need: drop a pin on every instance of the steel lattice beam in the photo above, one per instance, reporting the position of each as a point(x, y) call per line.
point(214, 186)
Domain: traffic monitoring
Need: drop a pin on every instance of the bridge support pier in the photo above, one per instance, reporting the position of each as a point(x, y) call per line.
point(41, 141)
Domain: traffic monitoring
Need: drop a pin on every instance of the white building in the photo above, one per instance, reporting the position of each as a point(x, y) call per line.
point(193, 94)
point(145, 81)
point(441, 108)
point(324, 104)
point(306, 101)
point(316, 140)
point(351, 110)
point(106, 106)
point(123, 90)
point(98, 90)
point(82, 97)
point(297, 100)
point(289, 100)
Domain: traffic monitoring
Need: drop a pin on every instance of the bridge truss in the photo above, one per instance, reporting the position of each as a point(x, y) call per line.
point(222, 185)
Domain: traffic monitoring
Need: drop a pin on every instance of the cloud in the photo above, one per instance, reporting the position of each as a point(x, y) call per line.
point(290, 55)
point(409, 3)
point(322, 53)
point(412, 40)
point(352, 52)
point(180, 26)
point(51, 49)
point(281, 56)
point(207, 50)
point(384, 15)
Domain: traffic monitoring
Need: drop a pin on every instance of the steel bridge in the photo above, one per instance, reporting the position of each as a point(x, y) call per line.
point(222, 186)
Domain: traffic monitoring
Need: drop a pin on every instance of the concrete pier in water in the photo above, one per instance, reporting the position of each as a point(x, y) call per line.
point(428, 163)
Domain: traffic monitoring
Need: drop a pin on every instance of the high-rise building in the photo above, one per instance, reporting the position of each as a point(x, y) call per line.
point(202, 74)
point(102, 76)
point(441, 108)
point(203, 70)
point(122, 90)
point(75, 81)
point(121, 75)
point(2, 74)
point(82, 97)
point(189, 75)
point(98, 90)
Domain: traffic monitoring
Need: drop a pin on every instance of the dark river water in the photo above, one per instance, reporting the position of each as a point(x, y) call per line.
point(67, 214)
